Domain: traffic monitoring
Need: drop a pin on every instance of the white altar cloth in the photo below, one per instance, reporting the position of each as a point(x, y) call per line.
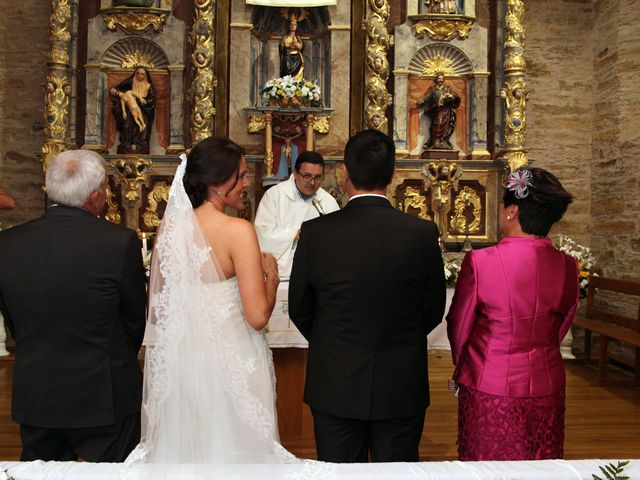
point(531, 470)
point(282, 333)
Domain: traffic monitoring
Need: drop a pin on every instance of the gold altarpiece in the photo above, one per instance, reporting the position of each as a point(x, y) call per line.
point(372, 59)
point(209, 60)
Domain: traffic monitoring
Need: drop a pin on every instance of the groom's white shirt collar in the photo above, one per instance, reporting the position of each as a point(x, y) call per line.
point(367, 195)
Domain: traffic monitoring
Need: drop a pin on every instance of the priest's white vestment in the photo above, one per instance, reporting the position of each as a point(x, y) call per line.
point(280, 215)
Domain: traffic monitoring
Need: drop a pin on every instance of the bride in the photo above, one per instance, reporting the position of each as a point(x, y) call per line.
point(209, 383)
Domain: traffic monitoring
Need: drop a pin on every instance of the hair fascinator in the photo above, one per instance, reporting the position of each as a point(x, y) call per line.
point(519, 182)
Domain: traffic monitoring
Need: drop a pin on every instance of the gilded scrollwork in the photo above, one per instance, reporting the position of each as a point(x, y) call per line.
point(136, 59)
point(432, 66)
point(377, 71)
point(465, 199)
point(135, 22)
point(256, 124)
point(202, 38)
point(60, 21)
point(50, 149)
point(56, 110)
point(321, 124)
point(413, 198)
point(443, 29)
point(113, 211)
point(515, 96)
point(514, 23)
point(514, 91)
point(440, 177)
point(132, 173)
point(57, 86)
point(268, 162)
point(516, 160)
point(159, 193)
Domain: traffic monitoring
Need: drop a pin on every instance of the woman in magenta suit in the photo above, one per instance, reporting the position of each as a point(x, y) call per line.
point(513, 304)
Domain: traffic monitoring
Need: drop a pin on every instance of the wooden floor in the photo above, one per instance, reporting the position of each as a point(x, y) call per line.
point(601, 422)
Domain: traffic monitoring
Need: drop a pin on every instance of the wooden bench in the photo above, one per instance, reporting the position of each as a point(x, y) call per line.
point(610, 325)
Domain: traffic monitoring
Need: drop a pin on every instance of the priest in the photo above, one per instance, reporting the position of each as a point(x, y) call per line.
point(285, 206)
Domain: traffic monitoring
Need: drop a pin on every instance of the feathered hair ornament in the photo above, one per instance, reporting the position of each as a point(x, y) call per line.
point(519, 182)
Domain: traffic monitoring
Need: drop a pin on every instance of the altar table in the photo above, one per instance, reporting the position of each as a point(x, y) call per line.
point(282, 333)
point(532, 470)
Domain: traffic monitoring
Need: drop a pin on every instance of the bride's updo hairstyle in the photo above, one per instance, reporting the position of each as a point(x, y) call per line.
point(542, 202)
point(212, 161)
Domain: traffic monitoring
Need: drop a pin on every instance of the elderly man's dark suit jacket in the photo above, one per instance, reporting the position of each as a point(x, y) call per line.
point(366, 288)
point(72, 293)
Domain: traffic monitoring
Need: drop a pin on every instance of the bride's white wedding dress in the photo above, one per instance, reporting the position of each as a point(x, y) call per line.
point(209, 384)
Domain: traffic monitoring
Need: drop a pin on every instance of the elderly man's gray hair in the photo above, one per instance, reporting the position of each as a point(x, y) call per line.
point(73, 175)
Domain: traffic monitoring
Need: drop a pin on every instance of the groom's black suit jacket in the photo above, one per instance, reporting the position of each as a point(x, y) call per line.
point(72, 293)
point(367, 286)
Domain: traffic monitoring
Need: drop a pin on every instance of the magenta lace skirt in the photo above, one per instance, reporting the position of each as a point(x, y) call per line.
point(492, 427)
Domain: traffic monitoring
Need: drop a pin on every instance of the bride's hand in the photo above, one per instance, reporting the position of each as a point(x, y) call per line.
point(269, 265)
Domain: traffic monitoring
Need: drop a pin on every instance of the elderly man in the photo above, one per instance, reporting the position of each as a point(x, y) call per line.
point(284, 207)
point(72, 292)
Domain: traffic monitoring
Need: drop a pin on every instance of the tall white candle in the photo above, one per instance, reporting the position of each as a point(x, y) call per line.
point(144, 245)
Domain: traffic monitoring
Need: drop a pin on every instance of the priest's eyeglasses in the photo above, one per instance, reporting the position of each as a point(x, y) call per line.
point(307, 177)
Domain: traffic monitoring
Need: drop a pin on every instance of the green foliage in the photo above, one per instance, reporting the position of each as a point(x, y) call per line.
point(612, 472)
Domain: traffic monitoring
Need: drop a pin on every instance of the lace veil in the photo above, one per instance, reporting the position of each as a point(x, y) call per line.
point(208, 400)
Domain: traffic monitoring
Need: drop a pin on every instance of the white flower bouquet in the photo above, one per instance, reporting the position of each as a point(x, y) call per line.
point(451, 270)
point(289, 92)
point(586, 260)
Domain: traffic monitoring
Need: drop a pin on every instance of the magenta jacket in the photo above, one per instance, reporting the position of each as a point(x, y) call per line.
point(513, 305)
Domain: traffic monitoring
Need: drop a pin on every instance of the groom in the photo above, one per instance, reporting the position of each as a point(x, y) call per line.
point(366, 288)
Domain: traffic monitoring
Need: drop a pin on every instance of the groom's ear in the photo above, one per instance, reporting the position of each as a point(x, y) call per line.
point(345, 172)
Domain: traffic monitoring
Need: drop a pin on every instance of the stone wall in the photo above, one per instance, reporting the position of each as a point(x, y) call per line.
point(24, 36)
point(615, 179)
point(559, 60)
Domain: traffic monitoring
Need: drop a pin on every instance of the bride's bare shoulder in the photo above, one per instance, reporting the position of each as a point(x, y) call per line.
point(239, 227)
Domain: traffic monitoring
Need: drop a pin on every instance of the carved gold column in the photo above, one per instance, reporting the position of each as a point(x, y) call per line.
point(514, 91)
point(377, 69)
point(202, 58)
point(310, 123)
point(57, 86)
point(268, 145)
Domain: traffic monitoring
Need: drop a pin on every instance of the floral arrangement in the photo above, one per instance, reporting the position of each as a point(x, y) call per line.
point(287, 91)
point(146, 262)
point(583, 256)
point(147, 248)
point(451, 270)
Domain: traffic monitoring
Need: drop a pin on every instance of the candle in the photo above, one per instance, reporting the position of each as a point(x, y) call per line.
point(144, 245)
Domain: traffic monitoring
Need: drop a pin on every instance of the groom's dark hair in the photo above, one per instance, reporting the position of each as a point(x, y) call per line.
point(370, 158)
point(211, 162)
